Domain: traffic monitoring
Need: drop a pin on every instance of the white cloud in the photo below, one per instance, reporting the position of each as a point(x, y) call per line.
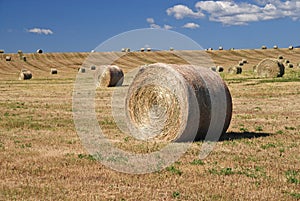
point(40, 31)
point(191, 25)
point(154, 26)
point(182, 11)
point(167, 27)
point(150, 20)
point(233, 12)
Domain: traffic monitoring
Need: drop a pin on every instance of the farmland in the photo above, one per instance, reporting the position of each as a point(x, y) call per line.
point(42, 158)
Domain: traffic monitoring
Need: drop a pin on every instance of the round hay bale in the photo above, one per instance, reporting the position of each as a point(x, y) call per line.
point(163, 99)
point(93, 67)
point(241, 63)
point(286, 61)
point(8, 58)
point(1, 51)
point(142, 49)
point(291, 47)
point(220, 48)
point(280, 57)
point(263, 47)
point(231, 48)
point(123, 50)
point(275, 47)
point(298, 65)
point(213, 69)
point(20, 52)
point(81, 70)
point(39, 51)
point(111, 76)
point(148, 49)
point(127, 50)
point(25, 75)
point(220, 69)
point(290, 65)
point(210, 49)
point(235, 70)
point(171, 49)
point(24, 58)
point(270, 68)
point(53, 71)
point(244, 61)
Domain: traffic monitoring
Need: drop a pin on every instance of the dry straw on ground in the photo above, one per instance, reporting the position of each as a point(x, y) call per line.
point(25, 75)
point(270, 68)
point(162, 102)
point(111, 76)
point(235, 70)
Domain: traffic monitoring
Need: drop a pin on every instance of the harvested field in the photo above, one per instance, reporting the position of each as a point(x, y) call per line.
point(42, 158)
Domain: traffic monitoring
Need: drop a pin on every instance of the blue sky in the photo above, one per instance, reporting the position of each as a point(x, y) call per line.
point(81, 25)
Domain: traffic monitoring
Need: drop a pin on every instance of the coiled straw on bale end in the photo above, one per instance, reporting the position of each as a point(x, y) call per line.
point(25, 75)
point(167, 102)
point(111, 76)
point(270, 68)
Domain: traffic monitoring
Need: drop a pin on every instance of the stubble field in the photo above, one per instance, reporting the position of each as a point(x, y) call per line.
point(42, 158)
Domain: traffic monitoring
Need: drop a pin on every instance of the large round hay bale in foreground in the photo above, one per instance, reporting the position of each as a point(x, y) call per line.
point(235, 70)
point(270, 68)
point(111, 76)
point(169, 102)
point(25, 75)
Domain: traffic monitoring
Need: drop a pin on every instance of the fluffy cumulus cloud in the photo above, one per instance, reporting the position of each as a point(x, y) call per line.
point(239, 12)
point(40, 31)
point(153, 25)
point(191, 25)
point(182, 11)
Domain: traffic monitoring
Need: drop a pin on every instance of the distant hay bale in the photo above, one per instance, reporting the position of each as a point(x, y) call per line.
point(24, 58)
point(235, 70)
point(111, 76)
point(81, 70)
point(213, 69)
point(298, 65)
point(231, 48)
point(20, 52)
point(275, 47)
point(220, 69)
point(8, 58)
point(210, 49)
point(1, 51)
point(171, 49)
point(241, 63)
point(244, 61)
point(53, 71)
point(290, 65)
point(142, 49)
point(123, 50)
point(280, 57)
point(39, 51)
point(93, 67)
point(162, 99)
point(220, 48)
point(25, 75)
point(286, 61)
point(291, 47)
point(127, 50)
point(270, 68)
point(263, 47)
point(148, 49)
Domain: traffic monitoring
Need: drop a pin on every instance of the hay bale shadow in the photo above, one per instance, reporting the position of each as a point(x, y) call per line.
point(242, 135)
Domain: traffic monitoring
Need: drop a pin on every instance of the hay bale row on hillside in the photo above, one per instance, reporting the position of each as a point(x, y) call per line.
point(162, 103)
